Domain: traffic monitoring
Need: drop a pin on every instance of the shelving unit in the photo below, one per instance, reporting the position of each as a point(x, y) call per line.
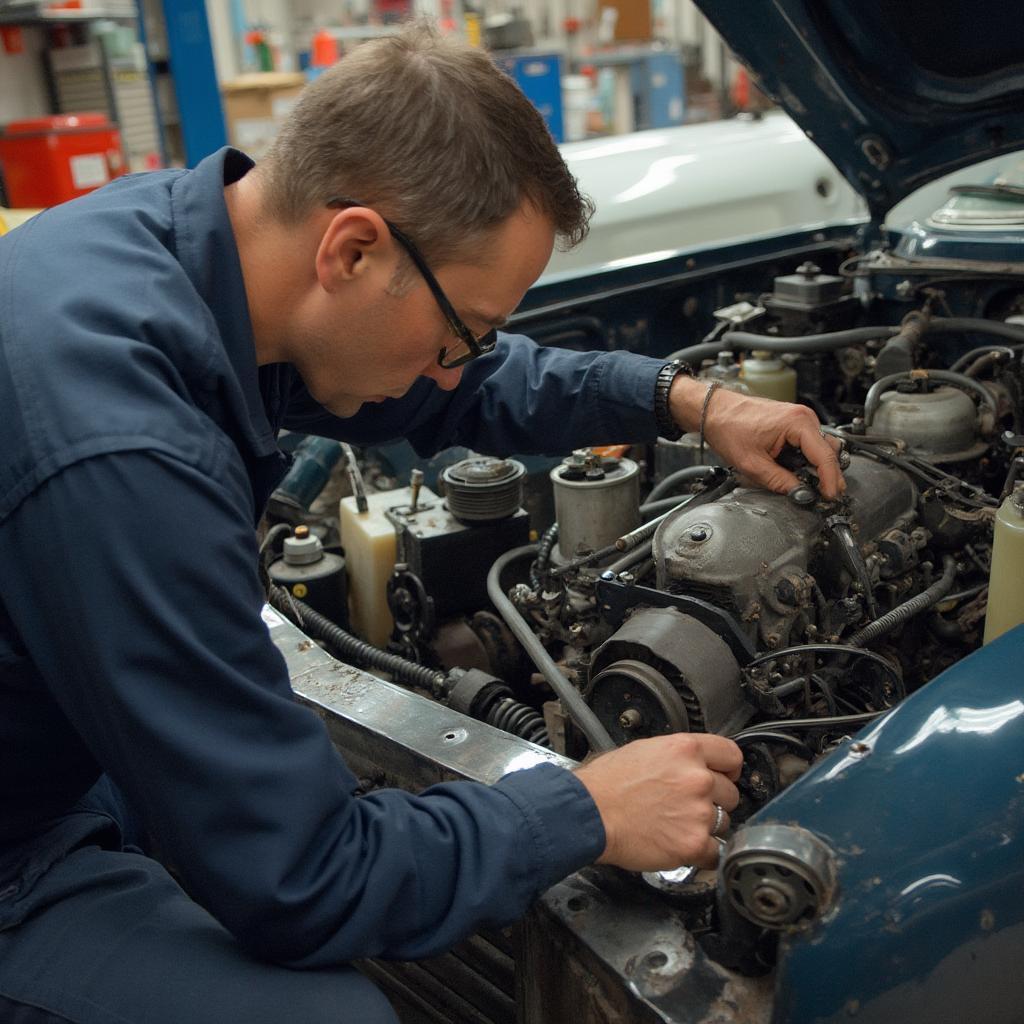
point(164, 118)
point(84, 78)
point(36, 13)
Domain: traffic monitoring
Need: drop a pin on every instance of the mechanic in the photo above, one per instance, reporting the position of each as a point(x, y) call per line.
point(154, 338)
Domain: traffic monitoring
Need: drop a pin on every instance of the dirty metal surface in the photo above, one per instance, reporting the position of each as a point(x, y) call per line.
point(598, 948)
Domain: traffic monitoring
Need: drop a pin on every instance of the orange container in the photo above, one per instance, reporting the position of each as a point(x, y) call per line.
point(48, 160)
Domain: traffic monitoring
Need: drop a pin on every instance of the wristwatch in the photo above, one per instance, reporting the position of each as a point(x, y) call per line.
point(667, 426)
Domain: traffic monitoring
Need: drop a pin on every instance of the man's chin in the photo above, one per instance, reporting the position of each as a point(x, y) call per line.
point(344, 407)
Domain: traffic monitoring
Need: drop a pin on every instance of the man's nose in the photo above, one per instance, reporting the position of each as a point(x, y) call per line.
point(446, 379)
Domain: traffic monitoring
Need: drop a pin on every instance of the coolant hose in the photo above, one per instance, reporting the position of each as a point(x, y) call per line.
point(749, 341)
point(772, 343)
point(575, 706)
point(975, 325)
point(680, 476)
point(901, 613)
point(350, 647)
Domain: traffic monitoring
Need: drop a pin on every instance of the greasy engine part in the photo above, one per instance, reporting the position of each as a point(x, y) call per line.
point(765, 557)
point(663, 672)
point(778, 876)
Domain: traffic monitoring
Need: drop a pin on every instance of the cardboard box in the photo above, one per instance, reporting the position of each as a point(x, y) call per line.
point(255, 105)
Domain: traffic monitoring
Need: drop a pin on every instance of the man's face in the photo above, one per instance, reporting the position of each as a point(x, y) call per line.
point(378, 350)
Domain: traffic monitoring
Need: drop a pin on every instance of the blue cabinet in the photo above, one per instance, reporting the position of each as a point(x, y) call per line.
point(657, 83)
point(649, 87)
point(540, 77)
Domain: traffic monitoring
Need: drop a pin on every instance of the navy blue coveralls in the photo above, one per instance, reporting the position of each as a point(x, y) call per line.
point(137, 450)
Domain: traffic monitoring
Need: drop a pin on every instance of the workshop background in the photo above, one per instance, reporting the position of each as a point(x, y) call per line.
point(90, 89)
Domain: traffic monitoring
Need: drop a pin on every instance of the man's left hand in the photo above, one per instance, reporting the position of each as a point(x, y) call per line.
point(748, 433)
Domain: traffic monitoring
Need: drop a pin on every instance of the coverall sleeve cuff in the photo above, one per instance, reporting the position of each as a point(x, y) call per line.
point(625, 394)
point(561, 820)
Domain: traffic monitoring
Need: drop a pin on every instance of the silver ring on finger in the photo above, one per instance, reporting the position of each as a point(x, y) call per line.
point(719, 820)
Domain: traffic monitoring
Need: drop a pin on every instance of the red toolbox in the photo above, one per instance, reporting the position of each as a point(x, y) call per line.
point(48, 160)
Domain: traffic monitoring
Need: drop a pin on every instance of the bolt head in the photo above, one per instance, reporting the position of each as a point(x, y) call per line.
point(630, 718)
point(771, 901)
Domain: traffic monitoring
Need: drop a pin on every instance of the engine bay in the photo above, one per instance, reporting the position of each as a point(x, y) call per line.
point(633, 591)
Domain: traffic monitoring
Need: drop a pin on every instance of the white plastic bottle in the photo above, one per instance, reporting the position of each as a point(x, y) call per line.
point(1006, 580)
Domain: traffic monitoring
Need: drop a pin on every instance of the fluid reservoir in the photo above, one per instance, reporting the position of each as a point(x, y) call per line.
point(313, 575)
point(597, 500)
point(1006, 581)
point(726, 370)
point(768, 376)
point(940, 424)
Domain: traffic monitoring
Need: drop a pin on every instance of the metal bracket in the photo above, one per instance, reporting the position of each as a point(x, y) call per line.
point(616, 598)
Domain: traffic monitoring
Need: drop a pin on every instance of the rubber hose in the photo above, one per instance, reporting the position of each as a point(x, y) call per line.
point(944, 629)
point(547, 543)
point(901, 613)
point(575, 706)
point(968, 357)
point(650, 509)
point(975, 325)
point(350, 647)
point(841, 339)
point(770, 343)
point(680, 476)
point(512, 716)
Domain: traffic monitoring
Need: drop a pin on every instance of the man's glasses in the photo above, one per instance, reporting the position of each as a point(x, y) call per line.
point(469, 345)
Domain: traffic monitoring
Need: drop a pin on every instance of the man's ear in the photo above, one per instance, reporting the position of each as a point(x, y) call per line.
point(354, 242)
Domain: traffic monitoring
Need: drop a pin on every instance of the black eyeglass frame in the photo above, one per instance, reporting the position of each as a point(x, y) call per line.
point(475, 346)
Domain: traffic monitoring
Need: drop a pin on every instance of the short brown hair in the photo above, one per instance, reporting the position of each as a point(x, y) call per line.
point(430, 133)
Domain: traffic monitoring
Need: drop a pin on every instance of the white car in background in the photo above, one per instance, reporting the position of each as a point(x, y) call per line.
point(663, 190)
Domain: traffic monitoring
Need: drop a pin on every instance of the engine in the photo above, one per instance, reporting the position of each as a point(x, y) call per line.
point(636, 591)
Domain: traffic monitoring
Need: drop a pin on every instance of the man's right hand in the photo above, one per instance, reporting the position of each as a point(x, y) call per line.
point(657, 797)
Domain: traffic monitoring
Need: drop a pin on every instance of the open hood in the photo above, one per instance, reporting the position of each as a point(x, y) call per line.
point(895, 93)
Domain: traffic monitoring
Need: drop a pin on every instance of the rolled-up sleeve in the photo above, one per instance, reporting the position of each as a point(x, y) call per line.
point(131, 579)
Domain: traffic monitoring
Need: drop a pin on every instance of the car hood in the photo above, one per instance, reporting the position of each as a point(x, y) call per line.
point(895, 94)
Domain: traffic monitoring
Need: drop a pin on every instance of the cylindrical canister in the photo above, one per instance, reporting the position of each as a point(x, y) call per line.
point(313, 575)
point(1006, 580)
point(596, 502)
